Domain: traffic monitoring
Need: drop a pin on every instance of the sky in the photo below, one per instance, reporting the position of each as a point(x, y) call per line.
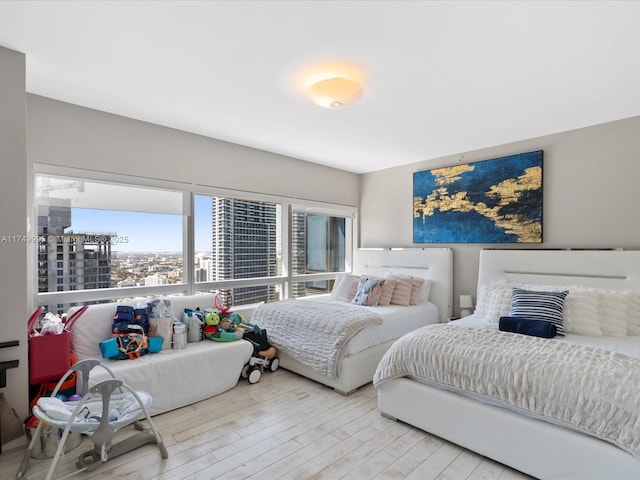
point(145, 232)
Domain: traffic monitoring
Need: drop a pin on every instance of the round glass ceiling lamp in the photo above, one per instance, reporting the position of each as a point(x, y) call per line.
point(335, 92)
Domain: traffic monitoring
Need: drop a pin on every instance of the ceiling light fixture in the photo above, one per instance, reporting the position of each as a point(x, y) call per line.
point(335, 92)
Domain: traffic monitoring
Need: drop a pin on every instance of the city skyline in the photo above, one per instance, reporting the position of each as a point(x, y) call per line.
point(146, 232)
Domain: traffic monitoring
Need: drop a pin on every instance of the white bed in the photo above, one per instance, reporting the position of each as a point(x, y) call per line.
point(364, 350)
point(536, 447)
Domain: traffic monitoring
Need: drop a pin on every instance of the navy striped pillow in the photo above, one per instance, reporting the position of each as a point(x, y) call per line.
point(536, 305)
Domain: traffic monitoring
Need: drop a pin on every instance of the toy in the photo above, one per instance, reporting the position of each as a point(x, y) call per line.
point(222, 326)
point(264, 354)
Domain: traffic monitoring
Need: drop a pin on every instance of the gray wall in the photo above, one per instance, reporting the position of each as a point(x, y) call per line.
point(73, 136)
point(13, 224)
point(591, 196)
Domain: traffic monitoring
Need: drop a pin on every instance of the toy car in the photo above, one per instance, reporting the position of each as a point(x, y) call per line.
point(264, 356)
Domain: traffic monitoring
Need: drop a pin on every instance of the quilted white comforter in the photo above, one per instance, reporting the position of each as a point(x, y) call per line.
point(591, 390)
point(315, 333)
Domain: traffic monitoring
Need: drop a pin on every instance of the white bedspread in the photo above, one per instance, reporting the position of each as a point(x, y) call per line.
point(396, 321)
point(313, 332)
point(589, 389)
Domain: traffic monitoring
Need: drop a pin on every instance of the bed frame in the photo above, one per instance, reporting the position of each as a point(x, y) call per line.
point(535, 447)
point(435, 264)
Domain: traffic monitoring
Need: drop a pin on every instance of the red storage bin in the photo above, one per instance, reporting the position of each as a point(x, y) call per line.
point(49, 355)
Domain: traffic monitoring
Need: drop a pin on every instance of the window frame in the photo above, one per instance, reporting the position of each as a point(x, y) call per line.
point(189, 285)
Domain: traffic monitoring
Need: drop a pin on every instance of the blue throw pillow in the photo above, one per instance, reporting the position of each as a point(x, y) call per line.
point(536, 305)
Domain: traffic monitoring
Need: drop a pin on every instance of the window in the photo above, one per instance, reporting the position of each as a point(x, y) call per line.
point(101, 238)
point(101, 235)
point(318, 246)
point(238, 239)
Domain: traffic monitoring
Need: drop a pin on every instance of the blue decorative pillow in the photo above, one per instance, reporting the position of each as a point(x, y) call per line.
point(368, 292)
point(536, 305)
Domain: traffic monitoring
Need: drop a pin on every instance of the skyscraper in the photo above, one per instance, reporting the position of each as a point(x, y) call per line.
point(245, 241)
point(70, 261)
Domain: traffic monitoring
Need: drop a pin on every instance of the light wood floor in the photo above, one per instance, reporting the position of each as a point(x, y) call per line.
point(284, 427)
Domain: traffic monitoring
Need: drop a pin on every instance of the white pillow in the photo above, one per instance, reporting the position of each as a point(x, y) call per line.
point(494, 301)
point(345, 289)
point(633, 325)
point(613, 310)
point(481, 301)
point(425, 291)
point(91, 328)
point(580, 314)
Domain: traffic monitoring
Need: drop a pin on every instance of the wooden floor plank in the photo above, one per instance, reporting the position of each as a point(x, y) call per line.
point(487, 470)
point(407, 463)
point(285, 427)
point(435, 464)
point(463, 465)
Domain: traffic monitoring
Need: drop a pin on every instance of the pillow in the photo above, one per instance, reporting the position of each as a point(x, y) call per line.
point(633, 325)
point(345, 289)
point(539, 305)
point(401, 292)
point(613, 310)
point(387, 292)
point(337, 281)
point(581, 312)
point(425, 291)
point(481, 301)
point(420, 287)
point(499, 302)
point(368, 292)
point(416, 290)
point(493, 301)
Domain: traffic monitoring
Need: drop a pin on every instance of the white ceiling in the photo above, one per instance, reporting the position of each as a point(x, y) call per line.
point(442, 78)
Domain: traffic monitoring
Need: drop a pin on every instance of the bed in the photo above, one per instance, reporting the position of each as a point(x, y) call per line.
point(359, 352)
point(522, 438)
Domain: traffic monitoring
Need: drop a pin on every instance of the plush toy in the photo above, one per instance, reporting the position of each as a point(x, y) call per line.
point(222, 327)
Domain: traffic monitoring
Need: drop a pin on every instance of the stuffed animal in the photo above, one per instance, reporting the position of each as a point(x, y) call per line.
point(222, 327)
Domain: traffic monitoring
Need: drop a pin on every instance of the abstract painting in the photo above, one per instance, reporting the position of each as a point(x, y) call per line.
point(492, 201)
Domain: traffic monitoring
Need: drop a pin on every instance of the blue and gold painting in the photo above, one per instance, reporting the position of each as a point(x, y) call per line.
point(492, 201)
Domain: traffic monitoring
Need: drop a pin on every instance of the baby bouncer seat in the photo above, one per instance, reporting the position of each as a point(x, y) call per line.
point(103, 410)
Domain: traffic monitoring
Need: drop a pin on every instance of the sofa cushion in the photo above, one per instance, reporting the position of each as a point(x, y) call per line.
point(175, 378)
point(94, 325)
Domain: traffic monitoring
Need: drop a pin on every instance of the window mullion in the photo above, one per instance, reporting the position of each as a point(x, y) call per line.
point(188, 249)
point(287, 269)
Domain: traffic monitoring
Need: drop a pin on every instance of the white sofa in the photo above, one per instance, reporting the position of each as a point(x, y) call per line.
point(174, 378)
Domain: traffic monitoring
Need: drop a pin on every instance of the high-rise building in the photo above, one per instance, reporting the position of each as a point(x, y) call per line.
point(298, 252)
point(245, 241)
point(70, 260)
point(317, 246)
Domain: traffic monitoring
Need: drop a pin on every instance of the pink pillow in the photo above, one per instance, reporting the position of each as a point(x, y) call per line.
point(402, 292)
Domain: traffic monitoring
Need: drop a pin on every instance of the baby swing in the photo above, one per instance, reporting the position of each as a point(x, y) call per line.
point(99, 414)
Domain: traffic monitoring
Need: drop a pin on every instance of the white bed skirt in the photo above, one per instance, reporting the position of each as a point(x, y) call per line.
point(356, 370)
point(532, 446)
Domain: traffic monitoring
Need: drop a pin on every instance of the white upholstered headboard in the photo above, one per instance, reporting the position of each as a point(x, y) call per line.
point(613, 269)
point(435, 264)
